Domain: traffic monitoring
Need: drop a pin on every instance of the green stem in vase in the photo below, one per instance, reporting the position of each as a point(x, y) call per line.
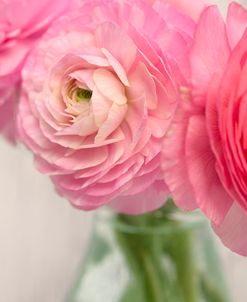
point(181, 251)
point(163, 256)
point(148, 273)
point(144, 255)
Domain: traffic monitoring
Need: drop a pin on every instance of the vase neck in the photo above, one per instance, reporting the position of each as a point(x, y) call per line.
point(166, 220)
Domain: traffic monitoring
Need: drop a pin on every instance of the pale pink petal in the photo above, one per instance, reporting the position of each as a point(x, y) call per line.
point(149, 55)
point(83, 159)
point(233, 230)
point(168, 101)
point(115, 117)
point(116, 136)
point(71, 141)
point(69, 182)
point(115, 153)
point(189, 7)
point(173, 16)
point(100, 107)
point(110, 86)
point(151, 150)
point(30, 127)
point(151, 165)
point(136, 117)
point(112, 38)
point(140, 141)
point(142, 83)
point(142, 182)
point(117, 67)
point(178, 47)
point(47, 168)
point(236, 23)
point(95, 60)
point(148, 200)
point(174, 166)
point(118, 185)
point(118, 170)
point(83, 127)
point(82, 201)
point(84, 76)
point(158, 126)
point(205, 64)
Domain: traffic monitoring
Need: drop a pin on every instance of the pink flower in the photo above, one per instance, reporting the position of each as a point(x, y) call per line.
point(22, 22)
point(99, 94)
point(205, 159)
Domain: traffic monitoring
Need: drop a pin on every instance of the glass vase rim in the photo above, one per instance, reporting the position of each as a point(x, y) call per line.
point(179, 222)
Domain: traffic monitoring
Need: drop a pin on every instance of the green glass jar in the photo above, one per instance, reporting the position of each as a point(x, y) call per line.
point(164, 256)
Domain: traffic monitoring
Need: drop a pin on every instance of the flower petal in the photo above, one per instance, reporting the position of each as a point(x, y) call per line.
point(236, 23)
point(210, 195)
point(110, 86)
point(205, 64)
point(113, 121)
point(112, 38)
point(148, 200)
point(233, 230)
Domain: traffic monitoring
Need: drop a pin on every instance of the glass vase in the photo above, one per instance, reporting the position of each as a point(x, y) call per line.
point(164, 256)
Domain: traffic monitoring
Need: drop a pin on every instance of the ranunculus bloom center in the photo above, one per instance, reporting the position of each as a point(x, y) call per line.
point(83, 95)
point(87, 96)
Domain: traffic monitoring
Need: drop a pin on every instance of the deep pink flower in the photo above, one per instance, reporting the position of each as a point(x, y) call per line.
point(22, 22)
point(205, 159)
point(99, 94)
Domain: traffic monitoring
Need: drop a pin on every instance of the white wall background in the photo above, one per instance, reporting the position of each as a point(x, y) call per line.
point(42, 238)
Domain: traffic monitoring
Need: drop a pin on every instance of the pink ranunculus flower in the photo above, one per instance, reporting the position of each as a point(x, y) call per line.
point(22, 22)
point(99, 94)
point(205, 158)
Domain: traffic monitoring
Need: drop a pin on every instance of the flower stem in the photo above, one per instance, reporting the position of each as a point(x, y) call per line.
point(181, 251)
point(164, 256)
point(144, 256)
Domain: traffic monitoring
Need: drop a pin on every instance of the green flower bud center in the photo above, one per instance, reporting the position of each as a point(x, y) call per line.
point(83, 95)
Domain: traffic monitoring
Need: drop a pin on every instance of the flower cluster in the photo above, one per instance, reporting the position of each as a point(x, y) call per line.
point(128, 103)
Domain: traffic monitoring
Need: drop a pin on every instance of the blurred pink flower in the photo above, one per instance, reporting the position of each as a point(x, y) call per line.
point(22, 22)
point(99, 94)
point(205, 159)
point(191, 8)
